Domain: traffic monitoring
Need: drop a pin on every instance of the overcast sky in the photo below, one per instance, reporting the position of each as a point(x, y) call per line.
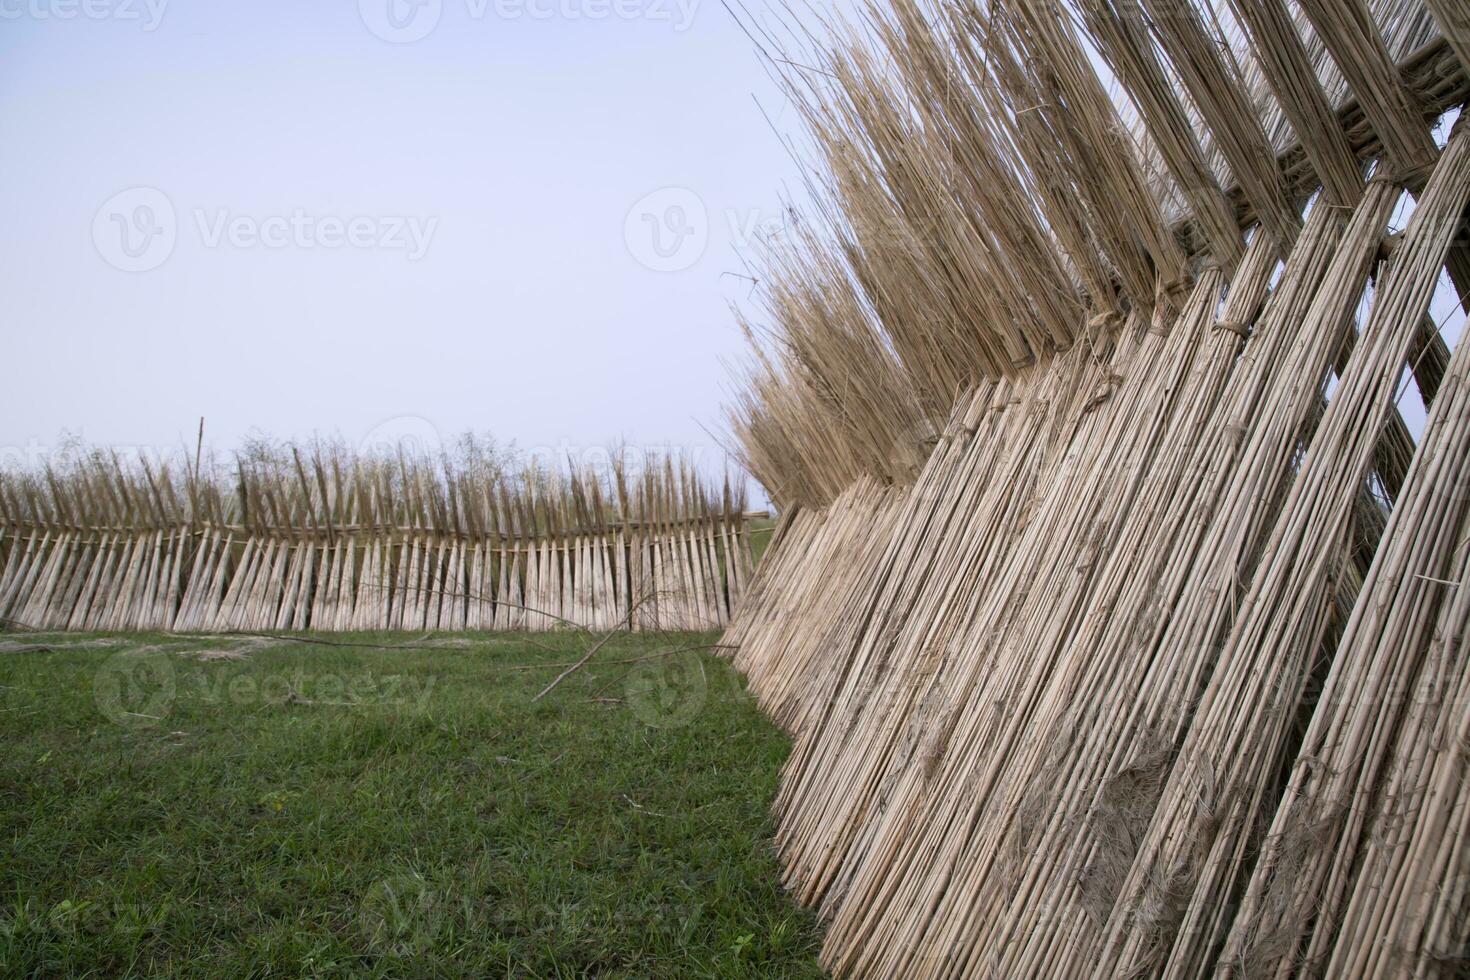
point(380, 219)
point(345, 217)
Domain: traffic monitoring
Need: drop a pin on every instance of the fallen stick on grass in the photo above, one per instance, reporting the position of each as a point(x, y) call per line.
point(575, 667)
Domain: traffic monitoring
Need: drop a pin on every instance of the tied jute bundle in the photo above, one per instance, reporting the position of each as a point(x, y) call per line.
point(1151, 664)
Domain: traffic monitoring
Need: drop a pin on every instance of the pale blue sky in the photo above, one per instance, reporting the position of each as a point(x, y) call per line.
point(380, 221)
point(508, 146)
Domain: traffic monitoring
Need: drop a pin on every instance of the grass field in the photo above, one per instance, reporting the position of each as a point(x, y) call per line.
point(251, 807)
point(762, 530)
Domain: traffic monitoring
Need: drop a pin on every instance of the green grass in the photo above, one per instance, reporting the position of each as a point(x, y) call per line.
point(762, 530)
point(315, 810)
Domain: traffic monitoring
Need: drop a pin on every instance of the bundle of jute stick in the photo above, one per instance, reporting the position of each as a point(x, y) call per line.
point(821, 573)
point(330, 541)
point(1088, 704)
point(1381, 770)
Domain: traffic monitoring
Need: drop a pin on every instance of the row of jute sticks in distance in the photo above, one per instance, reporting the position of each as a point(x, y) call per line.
point(473, 490)
point(96, 544)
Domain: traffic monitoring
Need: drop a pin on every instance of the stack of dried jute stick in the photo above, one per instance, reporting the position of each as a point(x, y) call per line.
point(1129, 642)
point(330, 541)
